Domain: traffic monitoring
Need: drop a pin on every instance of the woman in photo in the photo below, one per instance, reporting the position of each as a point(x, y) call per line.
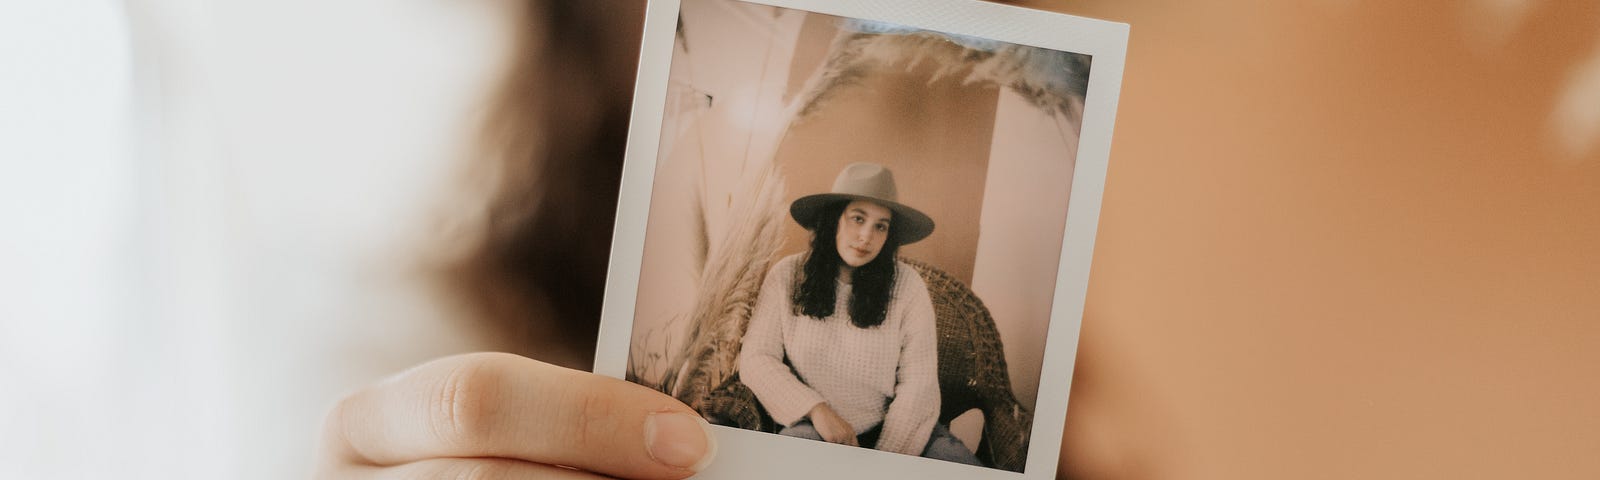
point(855, 325)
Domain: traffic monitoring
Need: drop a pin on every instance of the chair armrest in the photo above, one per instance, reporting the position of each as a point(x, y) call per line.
point(1006, 427)
point(733, 404)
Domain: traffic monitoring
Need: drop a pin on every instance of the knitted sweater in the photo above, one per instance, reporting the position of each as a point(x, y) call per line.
point(885, 375)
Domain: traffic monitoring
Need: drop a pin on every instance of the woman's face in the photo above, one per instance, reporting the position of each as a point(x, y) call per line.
point(863, 227)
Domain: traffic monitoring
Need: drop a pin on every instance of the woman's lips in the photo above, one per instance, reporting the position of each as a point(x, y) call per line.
point(861, 252)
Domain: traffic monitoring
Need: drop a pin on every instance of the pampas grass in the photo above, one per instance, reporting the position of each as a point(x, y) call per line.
point(648, 360)
point(1051, 80)
point(729, 283)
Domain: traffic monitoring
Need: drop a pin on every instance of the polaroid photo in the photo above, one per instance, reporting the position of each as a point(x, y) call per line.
point(856, 235)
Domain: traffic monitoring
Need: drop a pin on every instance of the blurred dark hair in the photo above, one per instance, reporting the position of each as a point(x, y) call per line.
point(872, 285)
point(533, 263)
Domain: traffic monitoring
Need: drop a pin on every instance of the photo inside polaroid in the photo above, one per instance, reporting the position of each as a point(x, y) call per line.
point(855, 230)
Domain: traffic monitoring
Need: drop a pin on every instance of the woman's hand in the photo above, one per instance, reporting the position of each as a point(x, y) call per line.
point(491, 416)
point(831, 426)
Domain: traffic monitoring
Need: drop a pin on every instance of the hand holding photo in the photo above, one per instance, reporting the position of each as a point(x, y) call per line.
point(859, 237)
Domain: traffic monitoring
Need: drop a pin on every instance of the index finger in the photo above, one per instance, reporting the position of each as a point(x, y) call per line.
point(502, 405)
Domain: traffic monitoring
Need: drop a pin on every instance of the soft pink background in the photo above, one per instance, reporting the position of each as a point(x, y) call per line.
point(1346, 239)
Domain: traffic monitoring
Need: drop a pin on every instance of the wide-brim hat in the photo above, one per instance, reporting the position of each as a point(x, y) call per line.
point(871, 182)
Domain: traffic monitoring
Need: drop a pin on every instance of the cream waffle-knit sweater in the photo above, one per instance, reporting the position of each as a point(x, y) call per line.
point(888, 374)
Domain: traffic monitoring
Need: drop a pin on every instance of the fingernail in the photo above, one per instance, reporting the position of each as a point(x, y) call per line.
point(679, 439)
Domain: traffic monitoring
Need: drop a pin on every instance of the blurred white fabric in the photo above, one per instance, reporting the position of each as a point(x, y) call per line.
point(210, 213)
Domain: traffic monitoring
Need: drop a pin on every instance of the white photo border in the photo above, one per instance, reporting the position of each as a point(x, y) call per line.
point(749, 454)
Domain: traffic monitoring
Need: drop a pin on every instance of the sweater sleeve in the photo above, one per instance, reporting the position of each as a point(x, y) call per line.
point(915, 408)
point(761, 365)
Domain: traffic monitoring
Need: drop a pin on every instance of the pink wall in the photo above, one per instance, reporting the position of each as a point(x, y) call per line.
point(935, 138)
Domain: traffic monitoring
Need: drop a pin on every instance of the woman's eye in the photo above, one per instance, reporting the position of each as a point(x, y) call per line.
point(882, 227)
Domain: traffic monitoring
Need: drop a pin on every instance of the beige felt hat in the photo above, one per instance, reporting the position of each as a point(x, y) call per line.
point(872, 182)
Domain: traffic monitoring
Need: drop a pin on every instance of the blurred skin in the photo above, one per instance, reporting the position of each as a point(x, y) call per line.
point(1343, 240)
point(1338, 240)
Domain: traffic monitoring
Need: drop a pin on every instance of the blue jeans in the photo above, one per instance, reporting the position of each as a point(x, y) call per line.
point(941, 444)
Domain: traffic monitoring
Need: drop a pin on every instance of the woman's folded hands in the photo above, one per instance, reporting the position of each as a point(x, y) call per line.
point(831, 426)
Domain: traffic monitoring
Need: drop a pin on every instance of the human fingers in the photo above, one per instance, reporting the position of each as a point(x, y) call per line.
point(462, 469)
point(833, 428)
point(506, 406)
point(841, 433)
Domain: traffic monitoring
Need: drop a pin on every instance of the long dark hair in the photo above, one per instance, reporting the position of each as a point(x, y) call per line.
point(872, 285)
point(531, 261)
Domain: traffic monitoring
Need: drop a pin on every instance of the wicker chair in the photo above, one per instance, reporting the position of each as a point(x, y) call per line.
point(972, 374)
